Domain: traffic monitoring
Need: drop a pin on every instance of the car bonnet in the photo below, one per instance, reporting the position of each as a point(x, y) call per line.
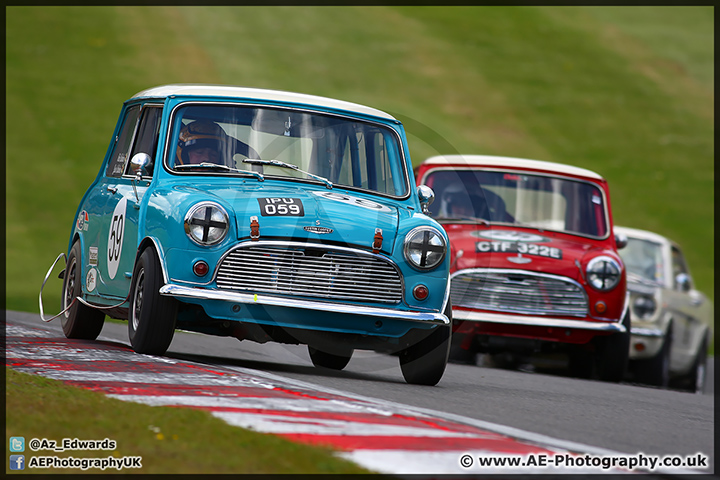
point(287, 212)
point(524, 249)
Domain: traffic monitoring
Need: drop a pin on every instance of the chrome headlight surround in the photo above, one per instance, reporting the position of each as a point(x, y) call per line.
point(424, 248)
point(644, 306)
point(206, 223)
point(603, 273)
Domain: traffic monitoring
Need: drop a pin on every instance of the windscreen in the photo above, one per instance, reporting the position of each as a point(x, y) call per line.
point(643, 258)
point(506, 197)
point(344, 151)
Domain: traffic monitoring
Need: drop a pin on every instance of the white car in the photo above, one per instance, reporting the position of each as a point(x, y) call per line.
point(670, 319)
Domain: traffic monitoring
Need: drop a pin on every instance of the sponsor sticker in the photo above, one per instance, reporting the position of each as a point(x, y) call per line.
point(82, 221)
point(511, 236)
point(360, 202)
point(93, 257)
point(91, 280)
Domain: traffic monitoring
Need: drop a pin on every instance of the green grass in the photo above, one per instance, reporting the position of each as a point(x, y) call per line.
point(169, 440)
point(624, 91)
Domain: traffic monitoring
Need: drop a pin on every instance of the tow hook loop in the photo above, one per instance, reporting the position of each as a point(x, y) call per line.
point(254, 228)
point(377, 243)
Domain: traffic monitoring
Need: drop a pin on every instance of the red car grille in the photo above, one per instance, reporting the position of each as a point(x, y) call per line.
point(518, 292)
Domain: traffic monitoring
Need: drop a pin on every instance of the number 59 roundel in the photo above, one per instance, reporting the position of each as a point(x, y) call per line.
point(115, 237)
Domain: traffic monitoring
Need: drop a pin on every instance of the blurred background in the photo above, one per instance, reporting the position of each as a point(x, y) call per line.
point(624, 91)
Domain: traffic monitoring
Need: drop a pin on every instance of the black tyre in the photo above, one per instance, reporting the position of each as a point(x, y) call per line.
point(151, 319)
point(655, 371)
point(580, 364)
point(613, 352)
point(695, 380)
point(506, 360)
point(80, 321)
point(329, 360)
point(424, 363)
point(460, 355)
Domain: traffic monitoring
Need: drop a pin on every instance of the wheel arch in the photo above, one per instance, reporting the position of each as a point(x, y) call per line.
point(151, 242)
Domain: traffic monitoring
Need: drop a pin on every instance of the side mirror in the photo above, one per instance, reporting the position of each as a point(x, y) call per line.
point(621, 240)
point(426, 196)
point(140, 164)
point(682, 282)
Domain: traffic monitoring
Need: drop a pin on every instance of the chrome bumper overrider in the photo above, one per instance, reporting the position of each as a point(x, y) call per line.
point(253, 299)
point(537, 321)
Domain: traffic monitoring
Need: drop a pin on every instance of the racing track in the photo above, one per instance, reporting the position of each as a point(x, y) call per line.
point(513, 409)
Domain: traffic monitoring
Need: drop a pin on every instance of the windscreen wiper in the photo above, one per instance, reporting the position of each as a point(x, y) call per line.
point(217, 166)
point(461, 218)
point(281, 164)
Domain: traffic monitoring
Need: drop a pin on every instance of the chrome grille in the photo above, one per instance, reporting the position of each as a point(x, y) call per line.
point(518, 292)
point(333, 274)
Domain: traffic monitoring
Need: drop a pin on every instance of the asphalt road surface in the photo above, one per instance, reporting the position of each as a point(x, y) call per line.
point(619, 417)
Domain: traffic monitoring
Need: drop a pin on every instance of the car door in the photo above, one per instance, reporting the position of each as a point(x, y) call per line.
point(102, 202)
point(120, 240)
point(688, 306)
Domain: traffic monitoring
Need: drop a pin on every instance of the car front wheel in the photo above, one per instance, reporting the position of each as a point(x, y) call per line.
point(656, 370)
point(613, 353)
point(80, 321)
point(329, 360)
point(424, 363)
point(151, 320)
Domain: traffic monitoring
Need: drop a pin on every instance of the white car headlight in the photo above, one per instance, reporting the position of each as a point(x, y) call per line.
point(644, 306)
point(603, 273)
point(206, 223)
point(424, 248)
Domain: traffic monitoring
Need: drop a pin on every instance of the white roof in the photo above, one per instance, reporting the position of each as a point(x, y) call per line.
point(496, 161)
point(641, 234)
point(259, 94)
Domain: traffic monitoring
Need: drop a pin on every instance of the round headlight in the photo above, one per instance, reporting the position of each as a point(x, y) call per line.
point(424, 248)
point(603, 273)
point(644, 306)
point(206, 223)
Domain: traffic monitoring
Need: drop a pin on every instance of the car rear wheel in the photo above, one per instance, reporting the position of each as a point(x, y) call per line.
point(613, 352)
point(656, 370)
point(424, 363)
point(329, 360)
point(151, 320)
point(80, 321)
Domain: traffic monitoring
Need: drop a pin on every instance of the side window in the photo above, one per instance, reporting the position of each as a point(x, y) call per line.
point(147, 133)
point(678, 265)
point(122, 144)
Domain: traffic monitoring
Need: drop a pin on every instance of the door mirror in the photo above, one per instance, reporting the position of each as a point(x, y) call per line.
point(426, 196)
point(140, 164)
point(682, 282)
point(621, 240)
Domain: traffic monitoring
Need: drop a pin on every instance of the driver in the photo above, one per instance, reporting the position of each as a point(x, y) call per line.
point(201, 141)
point(456, 202)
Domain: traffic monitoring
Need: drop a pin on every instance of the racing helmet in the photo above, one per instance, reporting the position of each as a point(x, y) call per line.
point(454, 194)
point(200, 134)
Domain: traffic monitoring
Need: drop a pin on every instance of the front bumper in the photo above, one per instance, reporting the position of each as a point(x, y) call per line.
point(177, 291)
point(537, 321)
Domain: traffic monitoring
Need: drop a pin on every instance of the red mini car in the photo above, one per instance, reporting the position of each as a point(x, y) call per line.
point(534, 262)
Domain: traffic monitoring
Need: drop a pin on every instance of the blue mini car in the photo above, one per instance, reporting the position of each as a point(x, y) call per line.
point(263, 215)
